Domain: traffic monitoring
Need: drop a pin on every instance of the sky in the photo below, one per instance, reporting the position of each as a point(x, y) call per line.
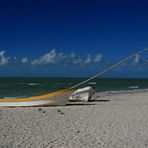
point(72, 38)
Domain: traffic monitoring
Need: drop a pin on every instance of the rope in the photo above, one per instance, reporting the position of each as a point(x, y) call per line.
point(110, 68)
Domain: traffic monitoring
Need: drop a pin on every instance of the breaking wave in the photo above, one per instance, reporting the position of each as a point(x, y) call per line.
point(133, 87)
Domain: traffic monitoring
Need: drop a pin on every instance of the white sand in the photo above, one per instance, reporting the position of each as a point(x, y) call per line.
point(119, 122)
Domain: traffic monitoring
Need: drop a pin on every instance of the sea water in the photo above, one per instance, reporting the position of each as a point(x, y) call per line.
point(24, 87)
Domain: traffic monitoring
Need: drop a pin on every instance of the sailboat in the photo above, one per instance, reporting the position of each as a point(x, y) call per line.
point(61, 97)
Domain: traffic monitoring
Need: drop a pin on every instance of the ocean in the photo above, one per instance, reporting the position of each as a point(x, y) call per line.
point(24, 87)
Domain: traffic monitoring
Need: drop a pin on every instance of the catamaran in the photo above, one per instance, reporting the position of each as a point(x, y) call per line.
point(63, 96)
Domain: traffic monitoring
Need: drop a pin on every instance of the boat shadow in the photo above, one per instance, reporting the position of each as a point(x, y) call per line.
point(99, 100)
point(90, 102)
point(79, 104)
point(95, 99)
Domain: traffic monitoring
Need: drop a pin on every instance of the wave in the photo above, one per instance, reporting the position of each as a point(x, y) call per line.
point(92, 83)
point(133, 87)
point(33, 84)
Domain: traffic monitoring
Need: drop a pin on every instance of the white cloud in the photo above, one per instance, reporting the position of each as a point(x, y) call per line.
point(49, 58)
point(53, 57)
point(3, 58)
point(73, 58)
point(98, 58)
point(88, 59)
point(73, 55)
point(137, 59)
point(24, 60)
point(77, 61)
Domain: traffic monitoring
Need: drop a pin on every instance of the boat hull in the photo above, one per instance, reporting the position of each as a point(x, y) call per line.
point(83, 94)
point(50, 101)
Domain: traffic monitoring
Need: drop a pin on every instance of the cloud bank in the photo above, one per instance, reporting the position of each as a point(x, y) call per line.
point(54, 57)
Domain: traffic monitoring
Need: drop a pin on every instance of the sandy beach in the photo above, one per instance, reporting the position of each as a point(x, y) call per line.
point(110, 120)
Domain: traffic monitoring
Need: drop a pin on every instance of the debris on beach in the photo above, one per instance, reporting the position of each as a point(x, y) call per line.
point(60, 111)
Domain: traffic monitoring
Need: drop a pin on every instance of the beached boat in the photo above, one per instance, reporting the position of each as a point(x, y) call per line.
point(52, 99)
point(83, 94)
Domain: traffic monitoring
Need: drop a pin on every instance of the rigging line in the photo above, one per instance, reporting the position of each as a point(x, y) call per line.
point(110, 68)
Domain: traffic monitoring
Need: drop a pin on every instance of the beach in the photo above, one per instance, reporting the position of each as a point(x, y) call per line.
point(110, 120)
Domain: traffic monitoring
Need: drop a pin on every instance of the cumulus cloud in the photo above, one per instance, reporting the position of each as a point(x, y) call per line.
point(88, 59)
point(98, 58)
point(73, 58)
point(24, 60)
point(53, 57)
point(3, 58)
point(136, 59)
point(73, 55)
point(49, 58)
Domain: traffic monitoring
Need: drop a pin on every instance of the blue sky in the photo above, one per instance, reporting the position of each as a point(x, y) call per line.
point(72, 37)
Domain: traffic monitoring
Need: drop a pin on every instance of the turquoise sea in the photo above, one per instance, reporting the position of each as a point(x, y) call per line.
point(24, 87)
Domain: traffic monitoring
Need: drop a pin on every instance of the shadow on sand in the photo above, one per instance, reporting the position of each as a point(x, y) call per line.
point(79, 104)
point(99, 100)
point(86, 103)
